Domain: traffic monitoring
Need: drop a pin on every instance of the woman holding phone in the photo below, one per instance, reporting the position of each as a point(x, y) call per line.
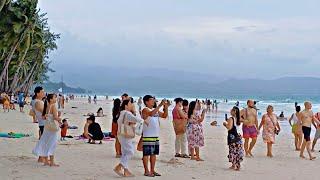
point(195, 130)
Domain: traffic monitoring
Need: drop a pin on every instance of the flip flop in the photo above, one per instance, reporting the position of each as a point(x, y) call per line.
point(185, 156)
point(156, 174)
point(177, 155)
point(149, 175)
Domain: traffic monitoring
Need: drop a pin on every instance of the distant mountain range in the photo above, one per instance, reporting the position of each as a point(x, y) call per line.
point(139, 81)
point(54, 87)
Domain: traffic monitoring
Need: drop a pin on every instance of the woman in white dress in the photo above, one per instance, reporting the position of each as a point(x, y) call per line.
point(126, 117)
point(47, 145)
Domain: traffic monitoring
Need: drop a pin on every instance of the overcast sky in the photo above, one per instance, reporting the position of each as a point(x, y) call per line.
point(243, 38)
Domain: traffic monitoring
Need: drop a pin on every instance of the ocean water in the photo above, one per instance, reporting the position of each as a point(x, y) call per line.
point(280, 103)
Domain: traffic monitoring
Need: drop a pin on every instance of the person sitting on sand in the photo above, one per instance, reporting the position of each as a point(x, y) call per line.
point(126, 118)
point(64, 128)
point(317, 135)
point(94, 131)
point(234, 139)
point(249, 119)
point(195, 130)
point(271, 127)
point(100, 112)
point(296, 128)
point(307, 118)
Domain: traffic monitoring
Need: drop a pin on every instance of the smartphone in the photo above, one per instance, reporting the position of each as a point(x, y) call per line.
point(226, 117)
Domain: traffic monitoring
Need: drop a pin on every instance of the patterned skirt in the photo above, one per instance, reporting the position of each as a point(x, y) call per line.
point(235, 154)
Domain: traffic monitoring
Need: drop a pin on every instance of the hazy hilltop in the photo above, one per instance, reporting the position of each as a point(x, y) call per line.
point(158, 81)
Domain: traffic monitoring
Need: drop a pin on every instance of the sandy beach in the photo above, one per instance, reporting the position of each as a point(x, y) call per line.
point(81, 161)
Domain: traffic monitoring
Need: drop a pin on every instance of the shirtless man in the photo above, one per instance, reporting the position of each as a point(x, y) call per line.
point(307, 118)
point(250, 127)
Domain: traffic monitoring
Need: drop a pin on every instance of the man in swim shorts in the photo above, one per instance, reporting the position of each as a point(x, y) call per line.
point(250, 127)
point(307, 118)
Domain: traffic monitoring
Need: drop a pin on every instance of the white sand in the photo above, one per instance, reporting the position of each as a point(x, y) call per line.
point(79, 160)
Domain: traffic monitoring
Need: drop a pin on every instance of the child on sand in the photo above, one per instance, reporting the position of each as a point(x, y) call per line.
point(64, 129)
point(94, 131)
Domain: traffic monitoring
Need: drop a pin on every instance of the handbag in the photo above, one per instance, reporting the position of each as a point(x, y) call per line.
point(276, 131)
point(139, 128)
point(234, 138)
point(31, 113)
point(127, 130)
point(51, 125)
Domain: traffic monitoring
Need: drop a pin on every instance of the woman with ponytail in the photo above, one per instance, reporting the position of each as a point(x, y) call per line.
point(234, 139)
point(46, 147)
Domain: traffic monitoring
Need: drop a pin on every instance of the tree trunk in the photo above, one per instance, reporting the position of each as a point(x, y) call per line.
point(26, 80)
point(9, 57)
point(16, 75)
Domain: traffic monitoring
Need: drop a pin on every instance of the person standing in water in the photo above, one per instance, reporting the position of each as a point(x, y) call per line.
point(151, 133)
point(271, 127)
point(296, 128)
point(307, 118)
point(250, 127)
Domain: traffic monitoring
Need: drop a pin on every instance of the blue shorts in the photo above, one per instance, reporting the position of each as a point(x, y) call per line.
point(151, 146)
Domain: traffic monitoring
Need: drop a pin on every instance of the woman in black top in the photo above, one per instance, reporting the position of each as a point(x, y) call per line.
point(115, 117)
point(234, 139)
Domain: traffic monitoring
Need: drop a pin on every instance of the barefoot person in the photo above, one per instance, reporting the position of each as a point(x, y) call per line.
point(151, 133)
point(47, 145)
point(250, 127)
point(179, 125)
point(271, 127)
point(195, 131)
point(126, 118)
point(296, 128)
point(234, 139)
point(38, 108)
point(114, 131)
point(317, 135)
point(307, 118)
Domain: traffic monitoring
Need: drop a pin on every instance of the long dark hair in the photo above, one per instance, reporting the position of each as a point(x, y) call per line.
point(46, 102)
point(124, 104)
point(116, 108)
point(192, 106)
point(237, 111)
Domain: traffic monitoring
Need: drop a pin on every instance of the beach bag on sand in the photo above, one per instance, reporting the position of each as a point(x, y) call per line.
point(51, 125)
point(127, 130)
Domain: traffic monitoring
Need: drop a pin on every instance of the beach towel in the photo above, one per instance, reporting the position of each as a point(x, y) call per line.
point(13, 135)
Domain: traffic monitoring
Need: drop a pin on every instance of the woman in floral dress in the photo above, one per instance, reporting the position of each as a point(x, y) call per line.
point(270, 126)
point(195, 130)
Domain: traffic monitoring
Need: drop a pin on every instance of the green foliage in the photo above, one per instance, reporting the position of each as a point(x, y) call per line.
point(25, 44)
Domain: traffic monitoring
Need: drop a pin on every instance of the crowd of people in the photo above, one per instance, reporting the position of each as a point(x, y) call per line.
point(187, 122)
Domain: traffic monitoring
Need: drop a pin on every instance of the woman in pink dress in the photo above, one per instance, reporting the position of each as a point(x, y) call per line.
point(195, 130)
point(271, 127)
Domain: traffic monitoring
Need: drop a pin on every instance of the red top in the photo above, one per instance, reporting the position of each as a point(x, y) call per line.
point(64, 131)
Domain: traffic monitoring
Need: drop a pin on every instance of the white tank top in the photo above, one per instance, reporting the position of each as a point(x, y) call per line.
point(153, 128)
point(295, 118)
point(39, 118)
